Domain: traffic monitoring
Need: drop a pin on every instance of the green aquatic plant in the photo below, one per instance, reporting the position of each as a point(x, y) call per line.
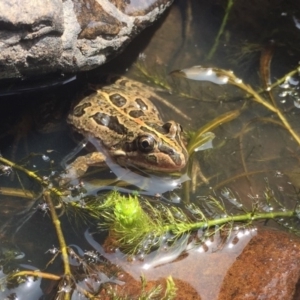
point(129, 224)
point(203, 134)
point(220, 76)
point(171, 289)
point(155, 293)
point(221, 30)
point(134, 224)
point(155, 75)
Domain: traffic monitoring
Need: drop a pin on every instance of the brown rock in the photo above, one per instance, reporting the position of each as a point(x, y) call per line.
point(268, 268)
point(263, 264)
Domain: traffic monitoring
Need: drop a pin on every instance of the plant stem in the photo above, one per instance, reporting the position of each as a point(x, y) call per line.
point(221, 30)
point(37, 274)
point(17, 193)
point(31, 174)
point(60, 236)
point(282, 79)
point(226, 117)
point(257, 98)
point(251, 216)
point(61, 240)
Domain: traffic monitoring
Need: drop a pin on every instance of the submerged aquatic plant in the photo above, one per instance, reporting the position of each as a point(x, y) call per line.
point(138, 226)
point(196, 73)
point(221, 30)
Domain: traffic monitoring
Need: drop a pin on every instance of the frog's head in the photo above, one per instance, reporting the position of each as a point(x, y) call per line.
point(162, 151)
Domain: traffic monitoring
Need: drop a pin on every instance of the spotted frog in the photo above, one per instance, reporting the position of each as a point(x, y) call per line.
point(122, 119)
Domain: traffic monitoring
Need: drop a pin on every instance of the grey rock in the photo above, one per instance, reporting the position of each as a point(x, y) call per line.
point(44, 36)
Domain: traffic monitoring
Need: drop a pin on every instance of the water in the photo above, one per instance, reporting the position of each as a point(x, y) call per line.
point(254, 161)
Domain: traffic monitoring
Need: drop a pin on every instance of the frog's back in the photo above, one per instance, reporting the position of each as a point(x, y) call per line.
point(114, 111)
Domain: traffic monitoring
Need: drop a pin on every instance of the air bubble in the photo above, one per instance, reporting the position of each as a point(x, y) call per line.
point(208, 243)
point(45, 158)
point(297, 22)
point(283, 94)
point(200, 249)
point(240, 234)
point(297, 103)
point(293, 81)
point(141, 257)
point(223, 79)
point(209, 71)
point(285, 85)
point(238, 80)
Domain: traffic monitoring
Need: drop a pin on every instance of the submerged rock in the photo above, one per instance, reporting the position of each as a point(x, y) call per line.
point(268, 268)
point(44, 36)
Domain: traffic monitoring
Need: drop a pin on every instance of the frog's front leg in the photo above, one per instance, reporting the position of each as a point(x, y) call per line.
point(80, 165)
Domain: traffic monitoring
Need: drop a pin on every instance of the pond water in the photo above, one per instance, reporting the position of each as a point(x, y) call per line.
point(252, 164)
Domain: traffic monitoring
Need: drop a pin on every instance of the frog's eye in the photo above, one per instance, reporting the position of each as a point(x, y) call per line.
point(146, 143)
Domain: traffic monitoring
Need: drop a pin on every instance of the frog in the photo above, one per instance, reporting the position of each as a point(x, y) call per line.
point(121, 118)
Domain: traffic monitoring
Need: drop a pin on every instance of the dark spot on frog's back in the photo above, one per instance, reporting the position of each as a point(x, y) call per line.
point(136, 113)
point(142, 105)
point(109, 121)
point(117, 100)
point(79, 109)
